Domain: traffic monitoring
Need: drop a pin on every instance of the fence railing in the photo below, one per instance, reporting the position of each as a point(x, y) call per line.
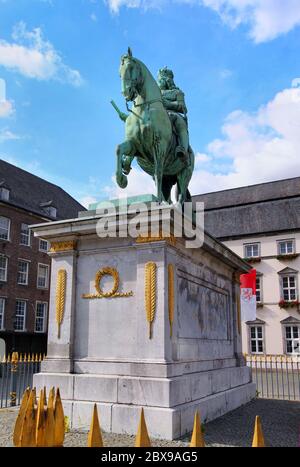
point(16, 374)
point(276, 376)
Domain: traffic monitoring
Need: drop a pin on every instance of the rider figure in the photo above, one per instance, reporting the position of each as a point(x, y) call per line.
point(173, 100)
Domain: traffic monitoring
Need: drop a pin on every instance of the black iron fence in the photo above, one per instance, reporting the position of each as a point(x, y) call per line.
point(276, 376)
point(16, 374)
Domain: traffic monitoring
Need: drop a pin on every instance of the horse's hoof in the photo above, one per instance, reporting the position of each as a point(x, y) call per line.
point(122, 181)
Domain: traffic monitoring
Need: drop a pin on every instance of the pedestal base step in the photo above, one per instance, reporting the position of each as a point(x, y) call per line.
point(163, 422)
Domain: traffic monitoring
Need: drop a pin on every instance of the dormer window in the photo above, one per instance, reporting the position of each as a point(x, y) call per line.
point(4, 194)
point(49, 209)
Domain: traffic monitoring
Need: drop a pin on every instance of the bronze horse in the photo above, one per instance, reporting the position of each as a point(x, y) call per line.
point(150, 136)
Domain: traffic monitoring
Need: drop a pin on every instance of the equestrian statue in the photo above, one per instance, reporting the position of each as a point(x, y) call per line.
point(156, 130)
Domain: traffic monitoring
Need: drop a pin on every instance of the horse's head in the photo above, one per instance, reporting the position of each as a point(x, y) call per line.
point(131, 76)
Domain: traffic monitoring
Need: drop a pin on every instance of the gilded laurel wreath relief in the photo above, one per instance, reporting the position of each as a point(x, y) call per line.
point(114, 292)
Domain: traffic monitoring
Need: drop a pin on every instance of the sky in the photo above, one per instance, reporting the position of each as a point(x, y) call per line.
point(237, 61)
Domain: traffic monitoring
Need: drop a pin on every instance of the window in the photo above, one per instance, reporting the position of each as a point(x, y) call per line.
point(4, 228)
point(4, 194)
point(286, 247)
point(25, 235)
point(251, 250)
point(292, 339)
point(259, 289)
point(19, 324)
point(2, 308)
point(51, 211)
point(43, 274)
point(3, 268)
point(256, 339)
point(40, 317)
point(44, 245)
point(289, 289)
point(23, 268)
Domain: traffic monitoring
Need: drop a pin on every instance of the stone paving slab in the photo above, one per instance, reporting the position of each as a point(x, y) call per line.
point(280, 421)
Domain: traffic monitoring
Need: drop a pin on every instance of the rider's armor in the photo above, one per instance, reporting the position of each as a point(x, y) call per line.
point(173, 100)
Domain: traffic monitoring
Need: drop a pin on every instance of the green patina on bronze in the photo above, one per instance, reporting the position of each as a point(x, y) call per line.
point(156, 130)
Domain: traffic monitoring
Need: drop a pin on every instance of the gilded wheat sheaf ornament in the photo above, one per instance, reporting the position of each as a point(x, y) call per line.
point(150, 294)
point(60, 297)
point(171, 296)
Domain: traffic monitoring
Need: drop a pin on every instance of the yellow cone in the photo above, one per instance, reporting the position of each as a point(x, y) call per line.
point(45, 396)
point(28, 431)
point(197, 440)
point(20, 418)
point(258, 438)
point(95, 436)
point(142, 439)
point(59, 419)
point(41, 420)
point(49, 424)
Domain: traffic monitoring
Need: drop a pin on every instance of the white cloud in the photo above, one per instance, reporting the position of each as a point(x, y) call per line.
point(138, 183)
point(6, 135)
point(257, 147)
point(6, 109)
point(115, 5)
point(87, 200)
point(34, 57)
point(296, 82)
point(267, 19)
point(201, 158)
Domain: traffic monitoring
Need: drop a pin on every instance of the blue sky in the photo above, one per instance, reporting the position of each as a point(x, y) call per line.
point(236, 60)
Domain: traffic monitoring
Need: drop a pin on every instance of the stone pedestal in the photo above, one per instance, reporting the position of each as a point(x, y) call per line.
point(104, 354)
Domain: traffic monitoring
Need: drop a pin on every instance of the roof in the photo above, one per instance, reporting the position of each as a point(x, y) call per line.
point(256, 321)
point(276, 190)
point(253, 210)
point(290, 320)
point(287, 271)
point(33, 194)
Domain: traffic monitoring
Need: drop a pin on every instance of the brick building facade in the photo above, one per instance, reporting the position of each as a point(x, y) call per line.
point(24, 262)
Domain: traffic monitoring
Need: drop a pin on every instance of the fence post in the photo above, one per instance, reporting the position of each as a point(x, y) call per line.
point(14, 377)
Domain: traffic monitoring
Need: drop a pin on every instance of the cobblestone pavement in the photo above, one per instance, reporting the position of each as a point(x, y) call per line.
point(280, 422)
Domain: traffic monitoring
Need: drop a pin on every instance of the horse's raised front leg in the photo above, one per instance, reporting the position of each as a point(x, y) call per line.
point(127, 149)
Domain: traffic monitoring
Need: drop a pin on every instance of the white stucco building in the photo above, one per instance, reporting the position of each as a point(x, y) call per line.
point(262, 223)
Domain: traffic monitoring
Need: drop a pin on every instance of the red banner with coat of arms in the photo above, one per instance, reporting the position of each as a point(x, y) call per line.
point(248, 296)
